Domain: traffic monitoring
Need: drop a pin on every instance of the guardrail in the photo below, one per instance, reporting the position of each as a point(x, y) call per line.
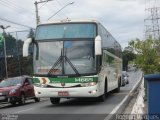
point(138, 107)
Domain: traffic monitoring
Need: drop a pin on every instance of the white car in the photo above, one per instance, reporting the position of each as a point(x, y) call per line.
point(125, 79)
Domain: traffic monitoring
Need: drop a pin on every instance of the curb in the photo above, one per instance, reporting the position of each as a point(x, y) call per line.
point(122, 105)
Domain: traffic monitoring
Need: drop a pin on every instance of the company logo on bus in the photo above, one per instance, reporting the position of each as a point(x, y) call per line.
point(63, 84)
point(83, 79)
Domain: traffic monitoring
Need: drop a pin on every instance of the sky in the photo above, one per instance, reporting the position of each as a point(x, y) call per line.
point(124, 19)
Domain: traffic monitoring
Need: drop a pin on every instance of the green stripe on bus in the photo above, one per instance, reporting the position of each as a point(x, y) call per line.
point(68, 80)
point(36, 80)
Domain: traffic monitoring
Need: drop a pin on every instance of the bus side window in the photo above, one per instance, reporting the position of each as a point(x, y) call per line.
point(103, 59)
point(106, 59)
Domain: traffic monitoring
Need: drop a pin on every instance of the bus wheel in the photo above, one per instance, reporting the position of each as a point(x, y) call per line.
point(13, 103)
point(101, 98)
point(106, 88)
point(37, 99)
point(55, 100)
point(118, 89)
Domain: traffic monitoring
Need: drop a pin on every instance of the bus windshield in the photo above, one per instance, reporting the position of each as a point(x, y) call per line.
point(65, 58)
point(59, 31)
point(65, 49)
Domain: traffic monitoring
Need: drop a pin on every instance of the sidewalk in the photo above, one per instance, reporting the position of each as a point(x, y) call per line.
point(137, 105)
point(145, 107)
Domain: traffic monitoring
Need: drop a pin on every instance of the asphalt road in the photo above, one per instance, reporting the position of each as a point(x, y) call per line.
point(69, 109)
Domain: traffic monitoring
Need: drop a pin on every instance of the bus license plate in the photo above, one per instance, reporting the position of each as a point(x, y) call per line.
point(63, 93)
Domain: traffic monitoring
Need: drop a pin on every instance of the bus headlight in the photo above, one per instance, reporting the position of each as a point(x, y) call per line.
point(88, 84)
point(92, 83)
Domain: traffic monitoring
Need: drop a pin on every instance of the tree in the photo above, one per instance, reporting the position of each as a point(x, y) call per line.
point(148, 55)
point(10, 44)
point(127, 55)
point(1, 41)
point(31, 34)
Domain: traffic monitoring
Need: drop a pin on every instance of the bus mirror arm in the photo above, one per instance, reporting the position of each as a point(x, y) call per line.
point(98, 45)
point(26, 46)
point(99, 64)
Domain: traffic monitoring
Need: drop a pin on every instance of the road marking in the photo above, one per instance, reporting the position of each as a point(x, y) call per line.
point(127, 93)
point(121, 103)
point(42, 99)
point(23, 110)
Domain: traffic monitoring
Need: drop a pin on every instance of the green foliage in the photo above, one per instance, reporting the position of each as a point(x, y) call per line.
point(127, 56)
point(148, 54)
point(10, 44)
point(1, 42)
point(31, 34)
point(16, 64)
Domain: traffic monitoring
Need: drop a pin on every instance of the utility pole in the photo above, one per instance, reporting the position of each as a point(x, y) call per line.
point(17, 48)
point(36, 7)
point(5, 55)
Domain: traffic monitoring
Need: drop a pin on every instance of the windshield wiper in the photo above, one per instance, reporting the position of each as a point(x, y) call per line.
point(61, 60)
point(73, 67)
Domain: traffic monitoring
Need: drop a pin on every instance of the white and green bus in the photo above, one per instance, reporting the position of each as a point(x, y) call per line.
point(74, 59)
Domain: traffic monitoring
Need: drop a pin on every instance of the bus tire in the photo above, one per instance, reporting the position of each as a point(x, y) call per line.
point(117, 90)
point(103, 97)
point(106, 87)
point(13, 103)
point(37, 99)
point(55, 100)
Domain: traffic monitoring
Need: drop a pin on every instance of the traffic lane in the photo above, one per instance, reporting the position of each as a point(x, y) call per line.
point(52, 117)
point(76, 106)
point(133, 79)
point(67, 106)
point(8, 108)
point(61, 117)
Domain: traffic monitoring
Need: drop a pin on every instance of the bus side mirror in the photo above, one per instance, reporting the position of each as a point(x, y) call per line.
point(26, 47)
point(98, 45)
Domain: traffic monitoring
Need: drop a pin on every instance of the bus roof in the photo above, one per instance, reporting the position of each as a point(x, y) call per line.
point(69, 21)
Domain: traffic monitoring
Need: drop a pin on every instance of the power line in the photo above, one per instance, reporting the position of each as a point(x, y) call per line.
point(19, 31)
point(10, 7)
point(13, 7)
point(42, 5)
point(49, 7)
point(55, 8)
point(11, 3)
point(3, 19)
point(61, 5)
point(60, 10)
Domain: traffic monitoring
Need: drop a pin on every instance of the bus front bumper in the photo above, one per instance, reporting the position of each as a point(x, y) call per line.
point(77, 92)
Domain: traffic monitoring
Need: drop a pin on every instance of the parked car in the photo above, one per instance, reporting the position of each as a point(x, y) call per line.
point(17, 90)
point(125, 79)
